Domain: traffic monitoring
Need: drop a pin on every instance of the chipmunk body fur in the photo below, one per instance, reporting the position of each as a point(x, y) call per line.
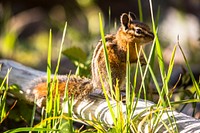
point(132, 33)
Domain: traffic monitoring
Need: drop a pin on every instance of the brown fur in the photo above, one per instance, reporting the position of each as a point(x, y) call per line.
point(77, 86)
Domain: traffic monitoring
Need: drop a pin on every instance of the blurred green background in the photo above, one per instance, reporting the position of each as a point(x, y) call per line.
point(25, 25)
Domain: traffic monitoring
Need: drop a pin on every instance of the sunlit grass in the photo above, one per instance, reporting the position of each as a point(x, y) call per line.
point(54, 120)
point(52, 116)
point(3, 94)
point(108, 70)
point(53, 113)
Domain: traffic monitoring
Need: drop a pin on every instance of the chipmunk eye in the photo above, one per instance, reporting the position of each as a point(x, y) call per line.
point(138, 31)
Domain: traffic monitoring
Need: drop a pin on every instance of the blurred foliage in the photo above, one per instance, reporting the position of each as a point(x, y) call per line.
point(24, 26)
point(80, 59)
point(24, 32)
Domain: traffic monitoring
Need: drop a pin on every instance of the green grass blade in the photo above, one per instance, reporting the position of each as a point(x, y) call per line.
point(108, 100)
point(140, 10)
point(155, 82)
point(49, 103)
point(166, 88)
point(171, 65)
point(128, 92)
point(3, 96)
point(49, 58)
point(190, 72)
point(6, 78)
point(61, 48)
point(69, 103)
point(160, 56)
point(53, 102)
point(33, 114)
point(185, 101)
point(49, 68)
point(158, 48)
point(106, 55)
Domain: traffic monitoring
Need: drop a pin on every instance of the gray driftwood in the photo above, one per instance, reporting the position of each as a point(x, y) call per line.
point(95, 107)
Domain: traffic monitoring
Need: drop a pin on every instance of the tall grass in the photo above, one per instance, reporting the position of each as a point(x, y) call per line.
point(108, 70)
point(3, 94)
point(52, 115)
point(53, 119)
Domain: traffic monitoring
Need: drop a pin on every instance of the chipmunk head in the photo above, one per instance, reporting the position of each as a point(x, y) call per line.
point(133, 31)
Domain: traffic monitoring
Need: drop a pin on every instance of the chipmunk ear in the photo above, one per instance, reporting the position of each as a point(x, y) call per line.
point(132, 16)
point(125, 20)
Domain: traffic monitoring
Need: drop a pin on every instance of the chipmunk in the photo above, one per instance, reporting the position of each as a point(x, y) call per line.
point(132, 33)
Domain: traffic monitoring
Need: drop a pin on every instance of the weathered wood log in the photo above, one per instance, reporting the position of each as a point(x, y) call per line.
point(94, 107)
